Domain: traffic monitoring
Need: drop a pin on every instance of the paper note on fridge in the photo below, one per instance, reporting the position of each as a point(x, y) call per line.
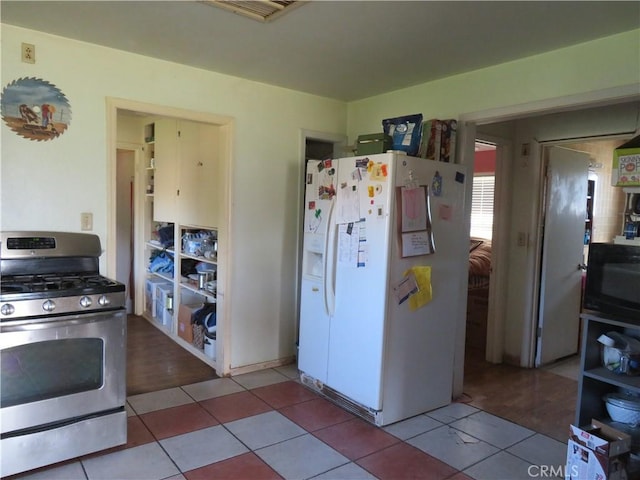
point(414, 209)
point(417, 243)
point(424, 294)
point(405, 288)
point(347, 204)
point(446, 211)
point(348, 240)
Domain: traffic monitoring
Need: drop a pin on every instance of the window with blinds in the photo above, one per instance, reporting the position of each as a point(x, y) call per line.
point(482, 206)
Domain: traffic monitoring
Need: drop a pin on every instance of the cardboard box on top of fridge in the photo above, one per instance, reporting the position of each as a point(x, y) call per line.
point(438, 140)
point(626, 164)
point(185, 317)
point(431, 139)
point(597, 452)
point(448, 140)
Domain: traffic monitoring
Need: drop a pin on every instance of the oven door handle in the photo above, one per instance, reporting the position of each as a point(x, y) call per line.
point(43, 323)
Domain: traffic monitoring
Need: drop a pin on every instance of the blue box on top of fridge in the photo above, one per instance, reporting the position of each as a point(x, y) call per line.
point(405, 132)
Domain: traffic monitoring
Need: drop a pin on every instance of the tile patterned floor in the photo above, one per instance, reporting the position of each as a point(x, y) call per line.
point(266, 425)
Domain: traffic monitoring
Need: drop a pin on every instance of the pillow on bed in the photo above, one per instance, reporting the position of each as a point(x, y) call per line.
point(475, 243)
point(480, 257)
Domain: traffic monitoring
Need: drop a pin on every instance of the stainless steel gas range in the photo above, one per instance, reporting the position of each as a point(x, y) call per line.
point(63, 350)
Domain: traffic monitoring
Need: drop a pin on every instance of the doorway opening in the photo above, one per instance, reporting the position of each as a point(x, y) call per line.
point(134, 194)
point(480, 248)
point(513, 327)
point(584, 129)
point(125, 221)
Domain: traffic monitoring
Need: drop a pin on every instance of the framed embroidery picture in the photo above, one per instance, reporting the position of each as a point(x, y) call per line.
point(35, 109)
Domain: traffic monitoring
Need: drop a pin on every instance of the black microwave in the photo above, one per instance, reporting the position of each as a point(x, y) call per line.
point(613, 280)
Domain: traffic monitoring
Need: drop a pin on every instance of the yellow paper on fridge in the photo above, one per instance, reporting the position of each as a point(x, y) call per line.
point(424, 293)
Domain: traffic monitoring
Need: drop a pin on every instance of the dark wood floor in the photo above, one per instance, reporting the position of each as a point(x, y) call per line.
point(155, 362)
point(534, 398)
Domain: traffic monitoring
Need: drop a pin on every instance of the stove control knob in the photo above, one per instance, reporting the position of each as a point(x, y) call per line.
point(49, 306)
point(85, 302)
point(7, 309)
point(104, 301)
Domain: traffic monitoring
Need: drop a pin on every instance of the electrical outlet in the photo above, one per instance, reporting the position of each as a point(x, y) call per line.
point(86, 221)
point(28, 53)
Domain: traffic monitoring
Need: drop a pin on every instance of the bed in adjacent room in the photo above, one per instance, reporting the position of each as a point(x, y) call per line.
point(478, 294)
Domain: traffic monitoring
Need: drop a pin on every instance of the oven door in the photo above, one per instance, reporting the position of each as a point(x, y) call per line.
point(61, 369)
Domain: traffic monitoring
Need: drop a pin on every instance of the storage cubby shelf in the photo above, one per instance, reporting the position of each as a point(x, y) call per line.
point(595, 380)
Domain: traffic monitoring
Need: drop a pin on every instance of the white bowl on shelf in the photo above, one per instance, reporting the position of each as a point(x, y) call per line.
point(623, 408)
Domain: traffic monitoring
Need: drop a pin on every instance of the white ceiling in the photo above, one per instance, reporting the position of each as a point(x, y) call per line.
point(346, 50)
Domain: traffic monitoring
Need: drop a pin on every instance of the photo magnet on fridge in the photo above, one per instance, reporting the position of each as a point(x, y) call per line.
point(362, 162)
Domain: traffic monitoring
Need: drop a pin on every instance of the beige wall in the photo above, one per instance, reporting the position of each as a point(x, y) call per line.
point(608, 200)
point(589, 67)
point(46, 185)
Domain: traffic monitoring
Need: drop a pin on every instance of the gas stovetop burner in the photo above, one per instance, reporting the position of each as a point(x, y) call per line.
point(55, 283)
point(40, 295)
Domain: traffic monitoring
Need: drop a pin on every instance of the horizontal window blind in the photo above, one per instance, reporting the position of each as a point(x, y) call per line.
point(482, 206)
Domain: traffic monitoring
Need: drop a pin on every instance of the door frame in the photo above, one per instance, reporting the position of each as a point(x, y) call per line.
point(468, 122)
point(225, 232)
point(499, 247)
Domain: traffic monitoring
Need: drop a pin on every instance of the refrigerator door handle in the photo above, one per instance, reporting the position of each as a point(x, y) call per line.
point(330, 263)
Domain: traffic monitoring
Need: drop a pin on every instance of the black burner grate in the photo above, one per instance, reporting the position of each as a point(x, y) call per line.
point(54, 283)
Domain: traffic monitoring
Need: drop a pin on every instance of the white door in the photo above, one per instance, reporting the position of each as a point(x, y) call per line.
point(561, 273)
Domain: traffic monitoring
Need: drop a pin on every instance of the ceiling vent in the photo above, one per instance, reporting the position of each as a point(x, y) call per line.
point(263, 11)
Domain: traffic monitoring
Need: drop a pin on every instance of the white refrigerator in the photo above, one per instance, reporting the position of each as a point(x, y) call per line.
point(383, 287)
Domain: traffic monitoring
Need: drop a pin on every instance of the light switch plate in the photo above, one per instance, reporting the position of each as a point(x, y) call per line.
point(86, 221)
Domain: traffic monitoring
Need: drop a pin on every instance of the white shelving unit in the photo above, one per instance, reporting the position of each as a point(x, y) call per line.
point(207, 263)
point(161, 315)
point(180, 194)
